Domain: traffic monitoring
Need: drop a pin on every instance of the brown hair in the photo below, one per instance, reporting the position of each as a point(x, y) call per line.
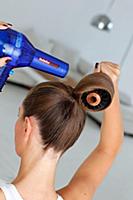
point(60, 117)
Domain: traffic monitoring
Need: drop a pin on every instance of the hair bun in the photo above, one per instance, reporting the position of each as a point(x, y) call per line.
point(94, 92)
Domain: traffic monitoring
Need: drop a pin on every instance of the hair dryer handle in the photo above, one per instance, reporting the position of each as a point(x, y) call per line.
point(4, 74)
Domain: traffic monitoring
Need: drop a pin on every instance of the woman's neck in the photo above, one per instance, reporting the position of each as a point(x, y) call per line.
point(36, 176)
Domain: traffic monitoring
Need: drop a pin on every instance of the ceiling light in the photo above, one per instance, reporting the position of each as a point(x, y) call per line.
point(102, 22)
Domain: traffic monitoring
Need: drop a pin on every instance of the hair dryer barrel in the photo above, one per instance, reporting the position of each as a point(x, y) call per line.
point(47, 63)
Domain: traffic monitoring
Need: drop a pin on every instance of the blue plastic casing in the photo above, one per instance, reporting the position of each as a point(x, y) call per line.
point(23, 54)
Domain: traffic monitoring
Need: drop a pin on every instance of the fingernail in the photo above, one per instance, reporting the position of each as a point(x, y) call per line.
point(9, 24)
point(8, 60)
point(5, 25)
point(96, 65)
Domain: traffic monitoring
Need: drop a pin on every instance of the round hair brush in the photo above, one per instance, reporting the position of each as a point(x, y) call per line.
point(94, 92)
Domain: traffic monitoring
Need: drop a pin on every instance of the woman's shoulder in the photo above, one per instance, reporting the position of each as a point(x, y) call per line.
point(2, 197)
point(2, 183)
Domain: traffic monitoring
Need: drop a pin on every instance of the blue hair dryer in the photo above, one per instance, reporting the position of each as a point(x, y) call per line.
point(23, 54)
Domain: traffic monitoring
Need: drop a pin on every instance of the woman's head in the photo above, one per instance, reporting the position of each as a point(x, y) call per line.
point(60, 118)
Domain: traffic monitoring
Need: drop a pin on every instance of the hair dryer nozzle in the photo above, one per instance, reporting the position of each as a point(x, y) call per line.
point(47, 63)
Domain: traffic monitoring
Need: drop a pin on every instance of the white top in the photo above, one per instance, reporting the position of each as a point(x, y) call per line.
point(11, 192)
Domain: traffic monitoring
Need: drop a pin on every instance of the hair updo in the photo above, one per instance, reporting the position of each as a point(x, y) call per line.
point(61, 118)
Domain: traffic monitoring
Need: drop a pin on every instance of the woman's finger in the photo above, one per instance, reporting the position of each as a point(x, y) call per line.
point(113, 74)
point(115, 70)
point(4, 25)
point(4, 61)
point(97, 67)
point(110, 64)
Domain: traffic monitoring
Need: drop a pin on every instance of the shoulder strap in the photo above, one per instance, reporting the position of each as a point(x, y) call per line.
point(59, 198)
point(10, 192)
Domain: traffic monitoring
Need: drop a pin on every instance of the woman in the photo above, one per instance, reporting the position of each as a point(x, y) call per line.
point(50, 121)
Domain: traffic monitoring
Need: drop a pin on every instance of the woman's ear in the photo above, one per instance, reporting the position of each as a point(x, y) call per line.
point(27, 128)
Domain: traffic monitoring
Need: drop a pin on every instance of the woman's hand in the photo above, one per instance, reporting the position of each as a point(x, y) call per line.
point(109, 68)
point(5, 60)
point(4, 25)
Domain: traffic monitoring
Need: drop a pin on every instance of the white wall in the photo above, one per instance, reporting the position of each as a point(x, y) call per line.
point(68, 22)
